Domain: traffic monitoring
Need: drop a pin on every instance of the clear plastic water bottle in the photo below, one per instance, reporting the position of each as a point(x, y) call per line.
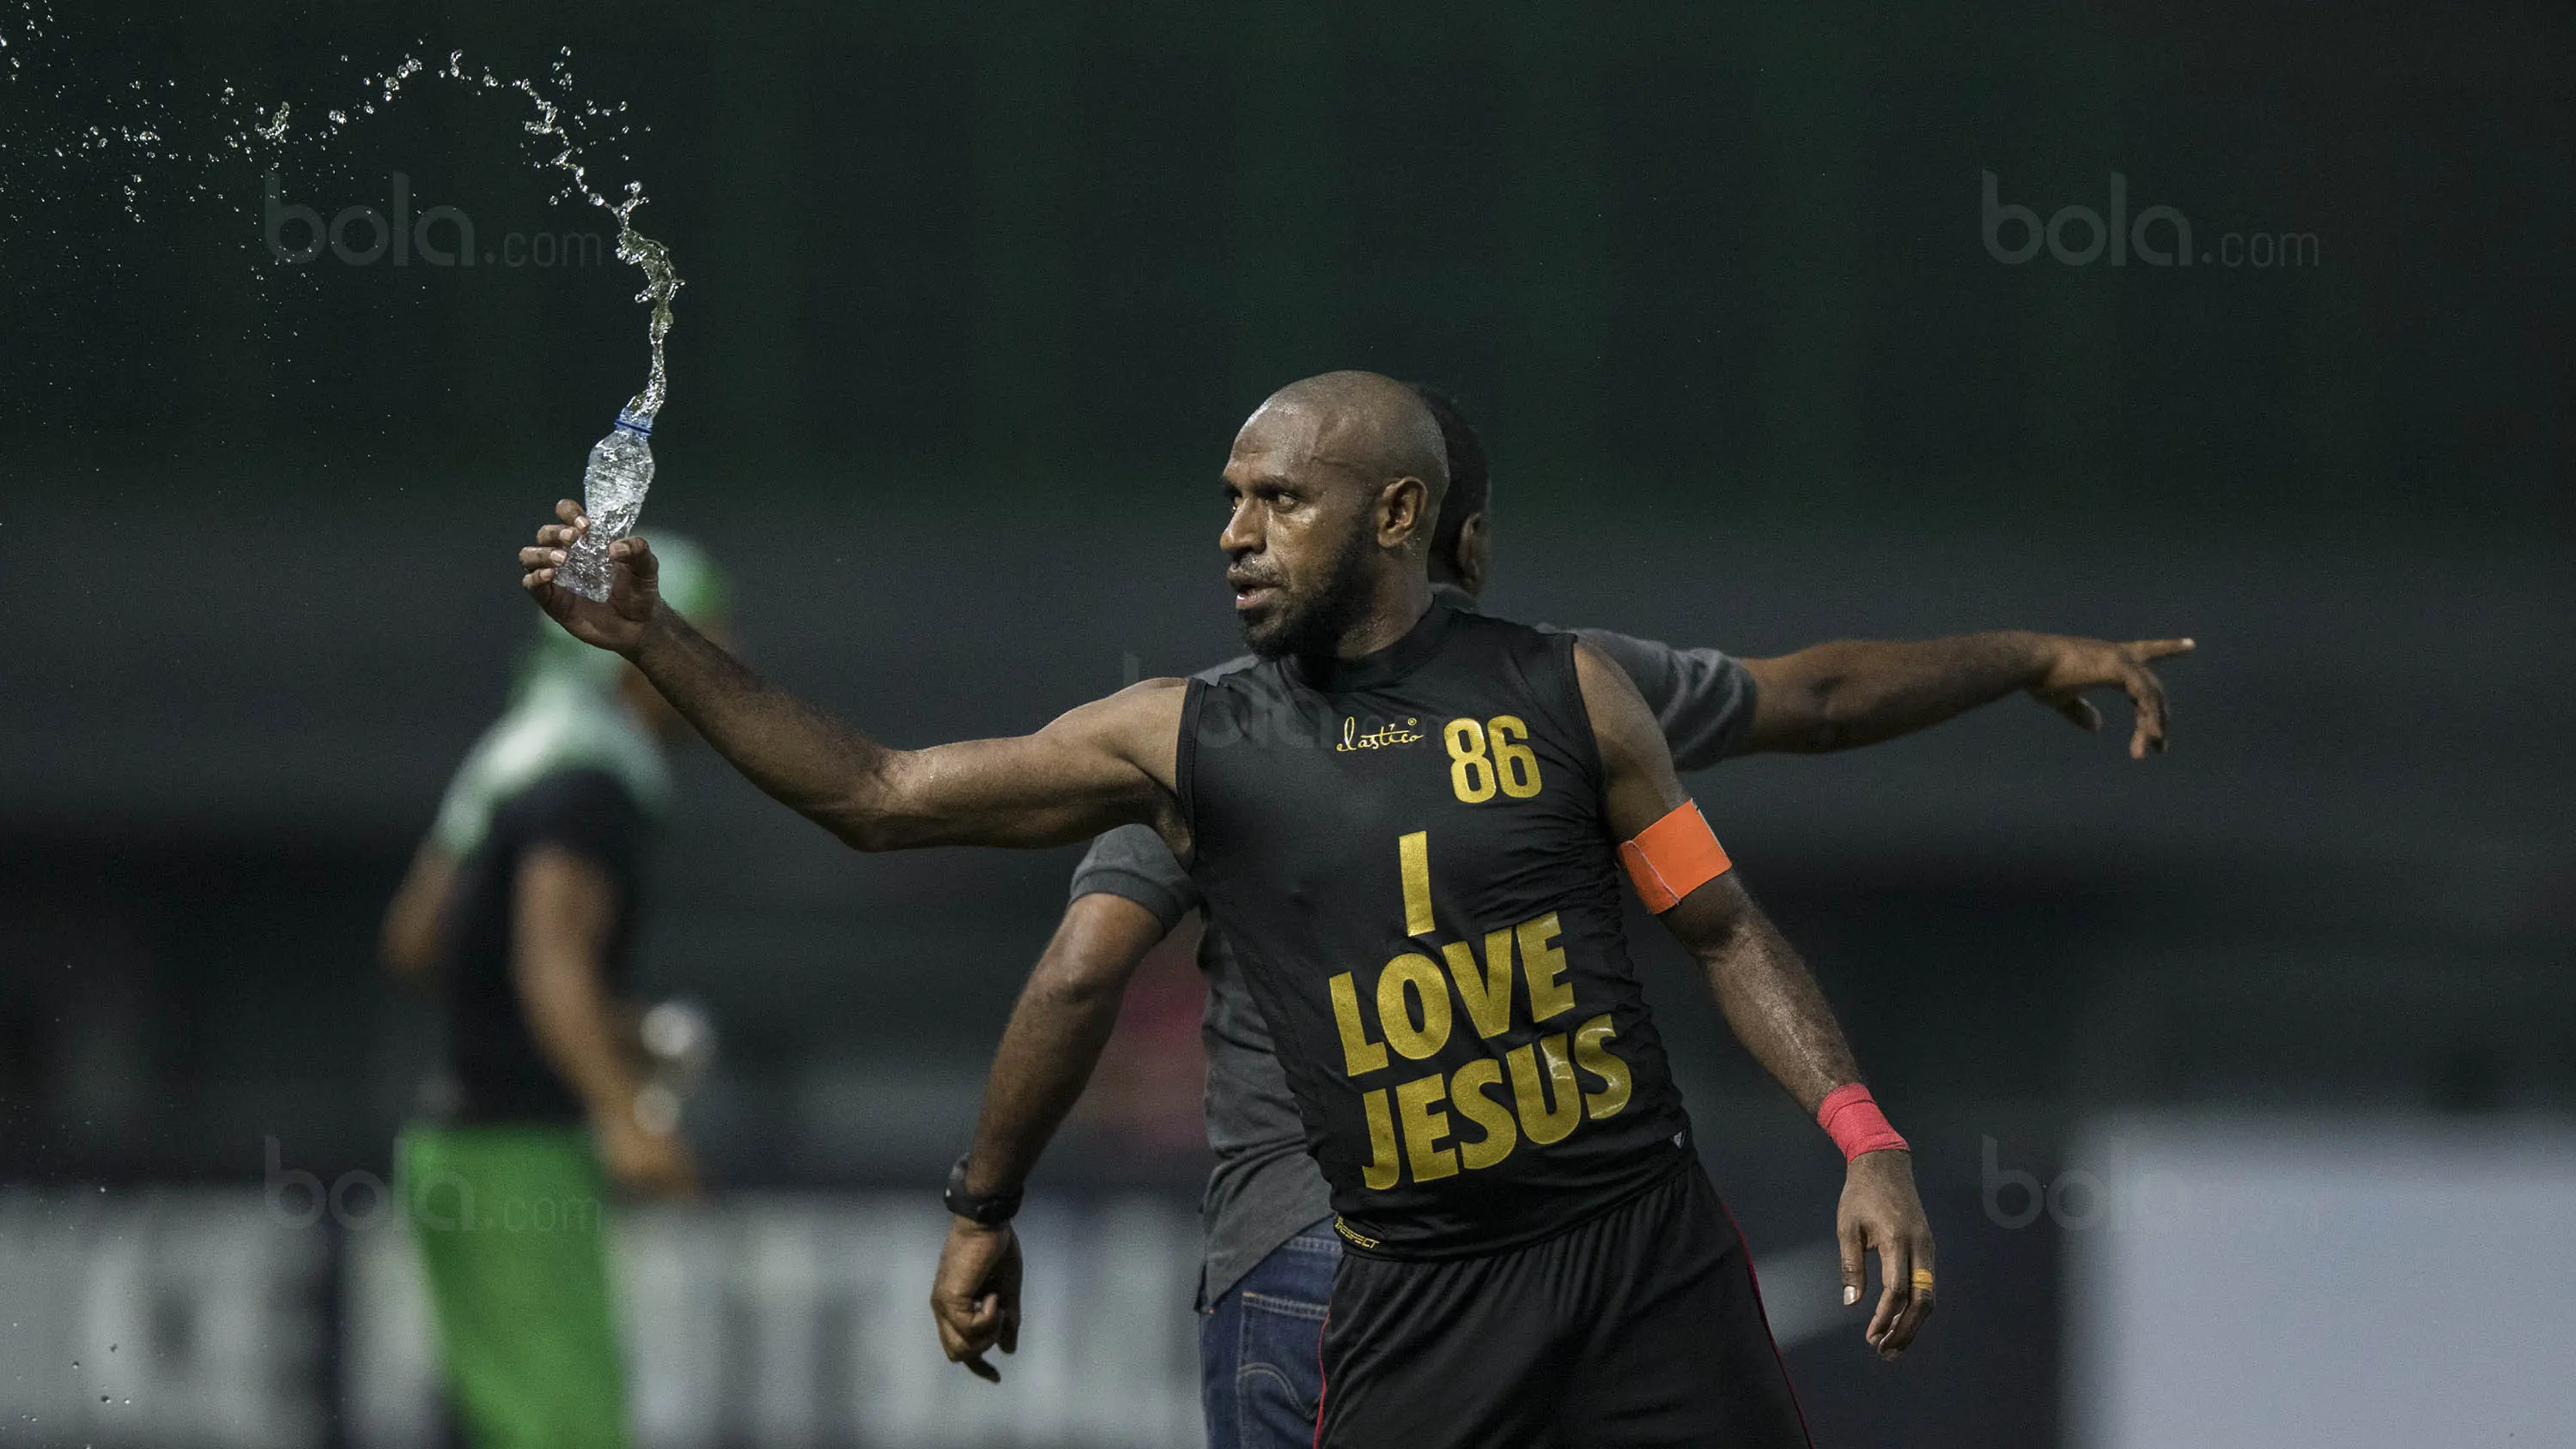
point(612, 494)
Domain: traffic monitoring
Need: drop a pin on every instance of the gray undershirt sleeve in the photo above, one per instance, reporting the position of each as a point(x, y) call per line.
point(1701, 697)
point(1133, 862)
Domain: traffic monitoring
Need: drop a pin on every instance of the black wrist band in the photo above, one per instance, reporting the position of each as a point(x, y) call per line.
point(986, 1210)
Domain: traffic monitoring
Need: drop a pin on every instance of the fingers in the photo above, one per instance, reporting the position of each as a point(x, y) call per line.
point(2081, 711)
point(637, 555)
point(976, 1332)
point(540, 562)
point(631, 585)
point(557, 535)
point(2148, 693)
point(1919, 1280)
point(965, 1324)
point(982, 1328)
point(1009, 1339)
point(975, 1302)
point(961, 1350)
point(1895, 1293)
point(1006, 1294)
point(1855, 1250)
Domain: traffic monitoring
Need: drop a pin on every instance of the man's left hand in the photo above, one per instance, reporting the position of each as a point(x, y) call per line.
point(2073, 666)
point(1881, 1210)
point(976, 1295)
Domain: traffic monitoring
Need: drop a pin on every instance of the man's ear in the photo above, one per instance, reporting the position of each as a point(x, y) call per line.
point(1472, 555)
point(1404, 512)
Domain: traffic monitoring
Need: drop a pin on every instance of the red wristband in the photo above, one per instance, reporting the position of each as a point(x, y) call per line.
point(1851, 1117)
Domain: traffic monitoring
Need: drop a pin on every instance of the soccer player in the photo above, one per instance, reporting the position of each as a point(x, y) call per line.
point(1270, 1249)
point(1413, 821)
point(519, 910)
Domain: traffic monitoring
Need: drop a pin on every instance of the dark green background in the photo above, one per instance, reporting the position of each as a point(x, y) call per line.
point(1674, 255)
point(976, 296)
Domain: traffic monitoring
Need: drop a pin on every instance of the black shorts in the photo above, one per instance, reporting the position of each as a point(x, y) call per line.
point(1640, 1327)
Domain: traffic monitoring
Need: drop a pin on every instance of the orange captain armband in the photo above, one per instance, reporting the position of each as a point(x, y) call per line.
point(1673, 857)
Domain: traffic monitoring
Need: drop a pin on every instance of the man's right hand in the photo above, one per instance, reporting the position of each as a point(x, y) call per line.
point(633, 592)
point(976, 1295)
point(644, 1163)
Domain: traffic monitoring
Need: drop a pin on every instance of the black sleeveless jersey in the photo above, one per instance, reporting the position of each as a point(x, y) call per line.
point(1410, 854)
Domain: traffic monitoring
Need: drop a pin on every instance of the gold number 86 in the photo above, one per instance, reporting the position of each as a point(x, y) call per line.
point(1473, 773)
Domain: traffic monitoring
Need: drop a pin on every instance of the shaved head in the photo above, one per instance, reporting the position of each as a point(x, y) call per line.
point(1371, 427)
point(1334, 485)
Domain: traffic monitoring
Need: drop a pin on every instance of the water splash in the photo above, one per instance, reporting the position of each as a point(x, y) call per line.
point(560, 128)
point(661, 278)
point(661, 281)
point(150, 141)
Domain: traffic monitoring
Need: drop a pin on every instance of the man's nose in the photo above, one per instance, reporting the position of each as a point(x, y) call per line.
point(1242, 534)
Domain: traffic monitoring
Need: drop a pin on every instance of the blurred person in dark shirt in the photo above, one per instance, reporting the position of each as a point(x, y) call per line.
point(519, 912)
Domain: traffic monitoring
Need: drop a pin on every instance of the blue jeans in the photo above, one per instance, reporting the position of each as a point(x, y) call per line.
point(1261, 1366)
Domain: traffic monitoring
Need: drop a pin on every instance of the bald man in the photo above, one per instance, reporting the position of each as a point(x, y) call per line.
point(1414, 820)
point(1270, 1250)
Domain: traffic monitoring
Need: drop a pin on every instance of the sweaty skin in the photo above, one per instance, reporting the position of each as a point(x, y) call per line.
point(1343, 453)
point(1067, 1020)
point(1833, 696)
point(1770, 1001)
point(1314, 462)
point(1861, 691)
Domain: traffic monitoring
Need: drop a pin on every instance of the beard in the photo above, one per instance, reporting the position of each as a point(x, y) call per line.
point(1313, 625)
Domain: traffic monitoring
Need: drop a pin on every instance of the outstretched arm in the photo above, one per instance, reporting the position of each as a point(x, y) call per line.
point(1771, 1002)
point(1107, 763)
point(1855, 692)
point(1057, 1031)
